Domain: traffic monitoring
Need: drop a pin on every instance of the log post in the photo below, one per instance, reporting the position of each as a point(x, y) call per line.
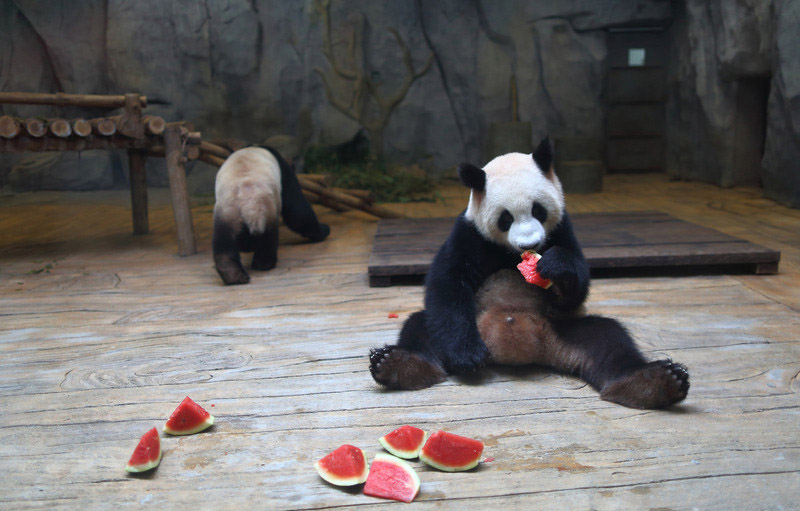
point(9, 127)
point(35, 127)
point(60, 128)
point(62, 99)
point(138, 175)
point(130, 123)
point(181, 209)
point(81, 127)
point(153, 124)
point(103, 126)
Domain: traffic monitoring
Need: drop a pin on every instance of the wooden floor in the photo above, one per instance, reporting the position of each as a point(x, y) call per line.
point(102, 334)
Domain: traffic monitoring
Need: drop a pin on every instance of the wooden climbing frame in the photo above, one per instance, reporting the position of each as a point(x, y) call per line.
point(131, 130)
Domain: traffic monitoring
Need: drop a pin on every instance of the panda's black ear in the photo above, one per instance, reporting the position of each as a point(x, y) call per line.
point(544, 155)
point(472, 176)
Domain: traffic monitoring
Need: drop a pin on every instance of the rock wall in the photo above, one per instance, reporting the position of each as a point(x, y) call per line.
point(251, 69)
point(733, 113)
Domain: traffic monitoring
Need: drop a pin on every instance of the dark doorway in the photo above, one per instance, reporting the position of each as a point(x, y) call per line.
point(751, 130)
point(636, 92)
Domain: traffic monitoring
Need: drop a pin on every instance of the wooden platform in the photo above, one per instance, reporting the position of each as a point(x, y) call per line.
point(102, 333)
point(644, 241)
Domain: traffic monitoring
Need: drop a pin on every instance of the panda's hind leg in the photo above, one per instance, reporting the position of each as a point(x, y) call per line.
point(408, 365)
point(604, 354)
point(656, 385)
point(225, 245)
point(265, 246)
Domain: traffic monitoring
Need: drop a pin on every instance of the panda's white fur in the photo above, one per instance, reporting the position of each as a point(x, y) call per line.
point(248, 190)
point(514, 182)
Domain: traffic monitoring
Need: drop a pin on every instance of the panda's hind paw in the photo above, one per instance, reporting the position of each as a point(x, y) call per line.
point(396, 368)
point(655, 385)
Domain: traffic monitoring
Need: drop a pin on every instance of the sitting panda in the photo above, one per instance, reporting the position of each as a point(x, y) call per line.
point(479, 309)
point(253, 187)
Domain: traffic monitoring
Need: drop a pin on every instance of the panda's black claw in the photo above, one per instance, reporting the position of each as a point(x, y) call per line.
point(396, 368)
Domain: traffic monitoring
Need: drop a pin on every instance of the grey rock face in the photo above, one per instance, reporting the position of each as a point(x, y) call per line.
point(245, 69)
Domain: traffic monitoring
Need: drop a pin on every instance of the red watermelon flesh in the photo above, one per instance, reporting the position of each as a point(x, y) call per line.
point(188, 418)
point(391, 478)
point(346, 466)
point(528, 269)
point(147, 454)
point(404, 442)
point(451, 453)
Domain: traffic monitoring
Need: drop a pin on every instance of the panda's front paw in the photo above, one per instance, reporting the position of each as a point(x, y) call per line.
point(465, 360)
point(569, 273)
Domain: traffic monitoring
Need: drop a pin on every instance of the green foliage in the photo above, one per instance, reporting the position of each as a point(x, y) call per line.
point(367, 173)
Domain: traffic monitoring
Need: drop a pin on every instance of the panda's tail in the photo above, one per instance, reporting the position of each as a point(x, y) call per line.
point(407, 365)
point(256, 209)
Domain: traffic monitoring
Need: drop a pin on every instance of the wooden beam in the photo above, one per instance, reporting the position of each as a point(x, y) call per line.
point(62, 99)
point(81, 127)
point(104, 126)
point(9, 127)
point(59, 127)
point(27, 143)
point(181, 208)
point(138, 175)
point(36, 127)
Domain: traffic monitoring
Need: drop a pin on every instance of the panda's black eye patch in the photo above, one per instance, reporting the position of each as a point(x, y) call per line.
point(505, 221)
point(538, 212)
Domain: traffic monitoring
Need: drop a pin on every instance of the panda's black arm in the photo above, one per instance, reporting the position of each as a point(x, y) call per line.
point(563, 263)
point(457, 271)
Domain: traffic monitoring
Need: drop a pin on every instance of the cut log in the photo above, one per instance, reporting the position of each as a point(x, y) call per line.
point(36, 127)
point(9, 127)
point(59, 127)
point(213, 149)
point(104, 126)
point(323, 179)
point(314, 198)
point(153, 124)
point(81, 127)
point(26, 143)
point(61, 99)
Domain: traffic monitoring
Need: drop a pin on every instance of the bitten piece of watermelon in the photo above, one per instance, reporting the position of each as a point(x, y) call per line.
point(451, 453)
point(346, 466)
point(528, 269)
point(188, 418)
point(147, 454)
point(404, 442)
point(391, 478)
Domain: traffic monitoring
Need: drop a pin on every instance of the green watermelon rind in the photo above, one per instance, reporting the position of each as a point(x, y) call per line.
point(343, 481)
point(401, 453)
point(197, 429)
point(408, 469)
point(449, 468)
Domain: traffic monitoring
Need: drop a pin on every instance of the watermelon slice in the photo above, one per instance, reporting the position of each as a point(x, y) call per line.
point(147, 454)
point(188, 418)
point(404, 442)
point(391, 478)
point(346, 466)
point(528, 269)
point(451, 453)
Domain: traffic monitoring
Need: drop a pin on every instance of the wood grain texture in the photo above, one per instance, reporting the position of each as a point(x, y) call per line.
point(103, 333)
point(647, 241)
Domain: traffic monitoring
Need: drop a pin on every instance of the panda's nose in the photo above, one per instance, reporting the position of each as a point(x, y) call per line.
point(529, 246)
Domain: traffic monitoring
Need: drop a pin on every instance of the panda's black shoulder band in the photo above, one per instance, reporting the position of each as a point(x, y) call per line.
point(472, 176)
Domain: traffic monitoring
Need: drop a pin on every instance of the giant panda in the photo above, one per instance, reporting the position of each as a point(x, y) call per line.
point(478, 308)
point(254, 188)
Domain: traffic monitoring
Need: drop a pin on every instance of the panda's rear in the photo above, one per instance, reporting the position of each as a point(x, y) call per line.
point(248, 190)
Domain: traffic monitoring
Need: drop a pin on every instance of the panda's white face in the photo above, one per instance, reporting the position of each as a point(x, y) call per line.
point(520, 205)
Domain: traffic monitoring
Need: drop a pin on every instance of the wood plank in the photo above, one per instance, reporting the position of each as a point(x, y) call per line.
point(102, 335)
point(631, 240)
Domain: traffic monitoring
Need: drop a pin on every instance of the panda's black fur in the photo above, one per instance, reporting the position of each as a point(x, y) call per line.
point(246, 214)
point(445, 337)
